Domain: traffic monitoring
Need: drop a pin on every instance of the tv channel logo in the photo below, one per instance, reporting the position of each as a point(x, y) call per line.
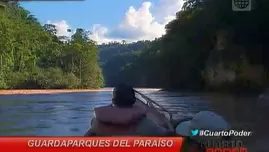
point(242, 5)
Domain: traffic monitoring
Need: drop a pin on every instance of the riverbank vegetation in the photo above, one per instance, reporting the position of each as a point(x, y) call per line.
point(207, 46)
point(32, 56)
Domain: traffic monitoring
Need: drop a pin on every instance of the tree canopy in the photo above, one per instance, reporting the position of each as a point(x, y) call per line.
point(207, 44)
point(204, 34)
point(32, 56)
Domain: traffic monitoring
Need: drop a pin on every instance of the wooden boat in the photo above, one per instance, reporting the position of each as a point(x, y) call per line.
point(156, 112)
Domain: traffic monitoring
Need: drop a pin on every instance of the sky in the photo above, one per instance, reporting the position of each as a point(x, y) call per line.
point(108, 20)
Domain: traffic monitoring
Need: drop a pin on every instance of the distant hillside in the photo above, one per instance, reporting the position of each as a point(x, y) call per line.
point(115, 56)
point(110, 50)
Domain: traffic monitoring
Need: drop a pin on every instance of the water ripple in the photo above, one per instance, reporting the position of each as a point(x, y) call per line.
point(69, 114)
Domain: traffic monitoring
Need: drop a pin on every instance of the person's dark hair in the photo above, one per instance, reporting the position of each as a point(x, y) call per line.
point(123, 96)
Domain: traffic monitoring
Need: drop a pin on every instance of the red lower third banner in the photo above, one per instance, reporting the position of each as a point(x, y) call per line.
point(93, 144)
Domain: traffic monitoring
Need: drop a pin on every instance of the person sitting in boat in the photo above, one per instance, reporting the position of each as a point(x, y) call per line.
point(204, 120)
point(123, 117)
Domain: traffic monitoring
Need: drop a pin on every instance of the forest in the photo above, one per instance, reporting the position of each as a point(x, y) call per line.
point(33, 57)
point(207, 46)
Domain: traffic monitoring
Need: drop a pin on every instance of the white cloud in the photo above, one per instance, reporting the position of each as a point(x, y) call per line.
point(98, 34)
point(61, 27)
point(166, 9)
point(139, 24)
point(144, 23)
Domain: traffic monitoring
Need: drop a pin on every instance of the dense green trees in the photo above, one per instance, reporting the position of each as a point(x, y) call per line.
point(206, 38)
point(117, 58)
point(206, 44)
point(32, 56)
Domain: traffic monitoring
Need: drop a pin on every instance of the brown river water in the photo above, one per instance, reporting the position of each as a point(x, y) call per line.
point(68, 114)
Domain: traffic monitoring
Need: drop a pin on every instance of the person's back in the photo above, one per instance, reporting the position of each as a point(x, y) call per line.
point(122, 118)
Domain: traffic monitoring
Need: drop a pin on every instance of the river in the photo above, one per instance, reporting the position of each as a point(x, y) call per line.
point(69, 114)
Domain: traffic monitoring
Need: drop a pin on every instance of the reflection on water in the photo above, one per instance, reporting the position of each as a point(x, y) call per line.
point(69, 114)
